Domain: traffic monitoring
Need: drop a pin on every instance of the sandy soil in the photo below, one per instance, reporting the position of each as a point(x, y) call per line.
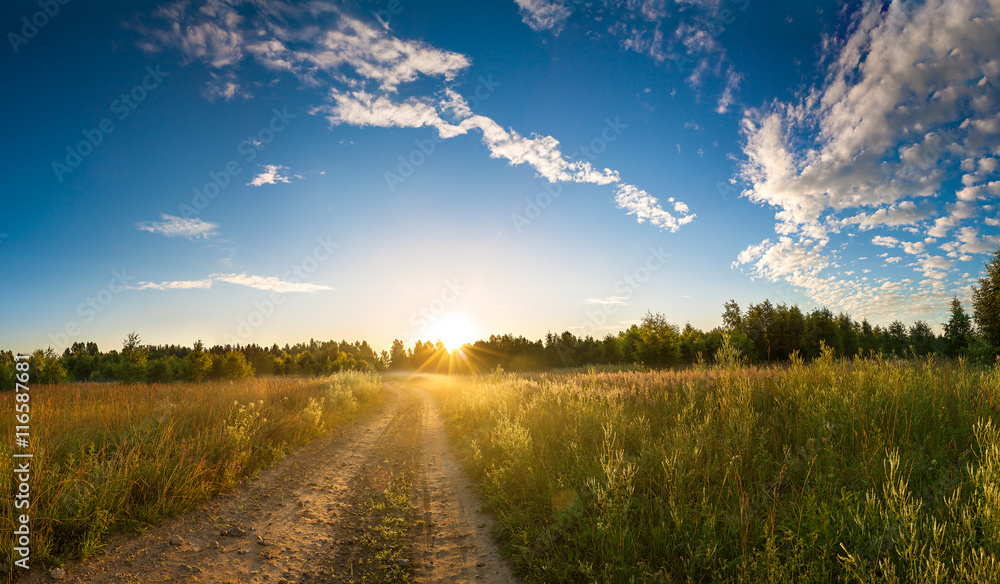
point(310, 519)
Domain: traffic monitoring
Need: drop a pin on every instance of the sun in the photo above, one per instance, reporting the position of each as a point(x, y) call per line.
point(454, 331)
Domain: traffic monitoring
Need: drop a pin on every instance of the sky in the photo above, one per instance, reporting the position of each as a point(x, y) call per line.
point(274, 171)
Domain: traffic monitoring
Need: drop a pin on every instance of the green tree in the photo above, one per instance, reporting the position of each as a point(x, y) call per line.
point(7, 371)
point(986, 303)
point(132, 366)
point(46, 367)
point(732, 319)
point(233, 365)
point(957, 331)
point(659, 342)
point(306, 362)
point(821, 327)
point(848, 330)
point(921, 339)
point(692, 343)
point(397, 356)
point(759, 326)
point(158, 371)
point(896, 340)
point(199, 363)
point(788, 331)
point(868, 339)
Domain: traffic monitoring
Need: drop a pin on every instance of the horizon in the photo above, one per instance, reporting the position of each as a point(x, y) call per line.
point(266, 174)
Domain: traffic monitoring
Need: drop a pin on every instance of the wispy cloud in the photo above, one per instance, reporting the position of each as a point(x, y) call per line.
point(729, 92)
point(610, 300)
point(360, 68)
point(544, 14)
point(171, 226)
point(684, 34)
point(269, 283)
point(540, 152)
point(272, 174)
point(243, 279)
point(220, 36)
point(175, 285)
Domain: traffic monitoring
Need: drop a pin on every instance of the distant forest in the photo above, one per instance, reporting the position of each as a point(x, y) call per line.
point(763, 333)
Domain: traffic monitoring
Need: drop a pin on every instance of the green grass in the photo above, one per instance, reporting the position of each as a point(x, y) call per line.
point(385, 517)
point(116, 457)
point(871, 471)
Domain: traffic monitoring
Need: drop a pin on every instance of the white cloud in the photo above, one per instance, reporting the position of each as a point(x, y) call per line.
point(243, 279)
point(969, 242)
point(224, 86)
point(360, 68)
point(544, 14)
point(610, 300)
point(905, 213)
point(191, 228)
point(726, 100)
point(895, 91)
point(272, 174)
point(220, 37)
point(684, 34)
point(175, 285)
point(269, 283)
point(910, 102)
point(912, 247)
point(885, 241)
point(646, 208)
point(211, 34)
point(540, 152)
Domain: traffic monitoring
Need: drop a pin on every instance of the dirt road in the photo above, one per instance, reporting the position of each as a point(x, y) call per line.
point(381, 501)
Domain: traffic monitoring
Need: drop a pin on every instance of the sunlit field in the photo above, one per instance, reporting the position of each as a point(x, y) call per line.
point(115, 457)
point(863, 471)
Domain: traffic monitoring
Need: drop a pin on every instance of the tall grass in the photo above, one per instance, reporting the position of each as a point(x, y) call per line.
point(866, 471)
point(114, 457)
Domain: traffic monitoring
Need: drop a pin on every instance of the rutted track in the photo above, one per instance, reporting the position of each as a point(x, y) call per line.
point(309, 519)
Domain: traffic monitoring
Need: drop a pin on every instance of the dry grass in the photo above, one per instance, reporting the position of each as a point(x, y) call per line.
point(112, 457)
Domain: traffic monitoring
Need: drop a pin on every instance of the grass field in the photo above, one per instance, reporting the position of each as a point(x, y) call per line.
point(866, 471)
point(114, 457)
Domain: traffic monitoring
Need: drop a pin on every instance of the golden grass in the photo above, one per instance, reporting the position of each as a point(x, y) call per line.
point(864, 471)
point(110, 457)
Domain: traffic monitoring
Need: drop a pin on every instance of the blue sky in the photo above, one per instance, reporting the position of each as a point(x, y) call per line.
point(277, 171)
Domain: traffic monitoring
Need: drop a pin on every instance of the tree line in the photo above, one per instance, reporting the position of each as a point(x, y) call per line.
point(763, 332)
point(160, 364)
